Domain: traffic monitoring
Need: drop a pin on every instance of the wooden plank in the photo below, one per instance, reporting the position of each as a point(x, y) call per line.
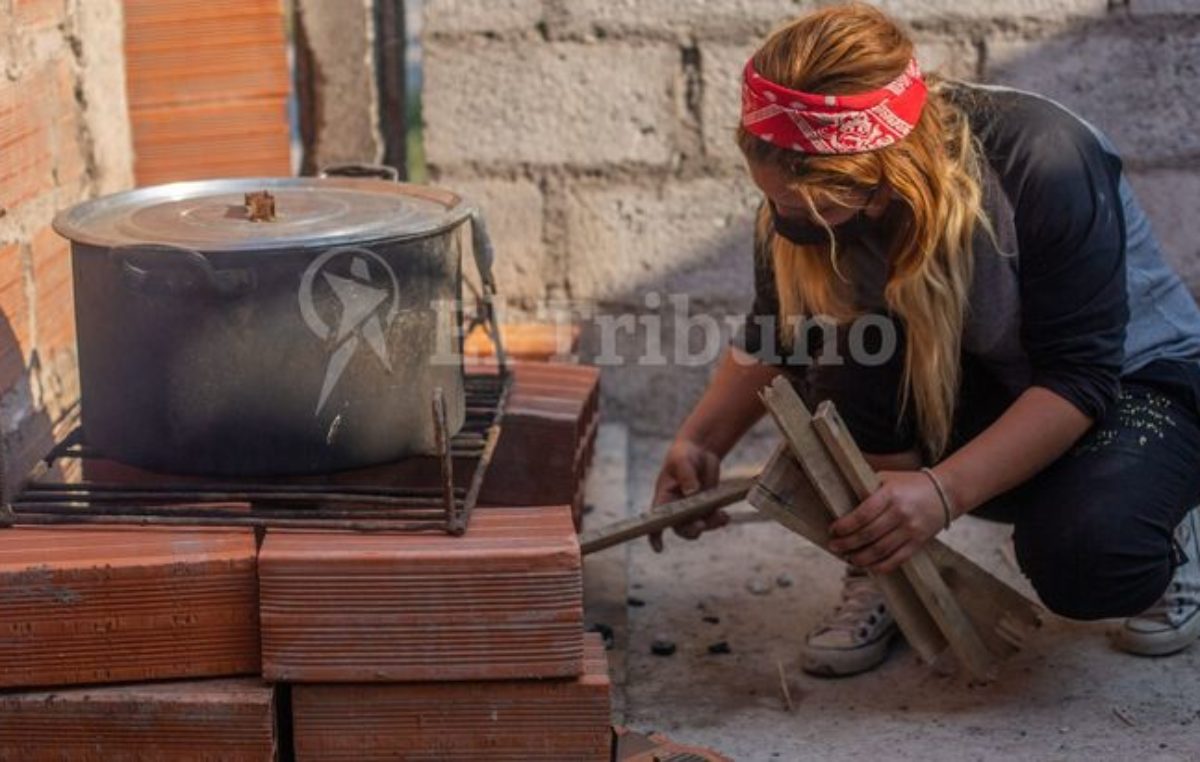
point(920, 570)
point(784, 494)
point(795, 422)
point(666, 515)
point(1003, 617)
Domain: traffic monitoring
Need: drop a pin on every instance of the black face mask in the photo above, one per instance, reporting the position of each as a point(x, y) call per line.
point(804, 234)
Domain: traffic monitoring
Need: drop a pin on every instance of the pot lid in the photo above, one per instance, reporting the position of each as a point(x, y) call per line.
point(215, 215)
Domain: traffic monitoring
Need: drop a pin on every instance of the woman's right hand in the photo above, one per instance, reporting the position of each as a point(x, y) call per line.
point(688, 468)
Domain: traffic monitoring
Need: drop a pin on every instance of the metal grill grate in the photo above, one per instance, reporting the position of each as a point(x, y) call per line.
point(413, 495)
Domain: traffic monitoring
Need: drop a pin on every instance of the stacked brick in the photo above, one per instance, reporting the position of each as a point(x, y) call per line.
point(231, 720)
point(516, 720)
point(429, 647)
point(81, 607)
point(504, 601)
point(553, 411)
point(138, 642)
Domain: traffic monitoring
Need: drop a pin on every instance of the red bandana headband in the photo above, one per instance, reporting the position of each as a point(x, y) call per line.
point(832, 124)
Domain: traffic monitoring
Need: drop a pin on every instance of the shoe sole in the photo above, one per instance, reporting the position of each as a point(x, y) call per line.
point(1170, 643)
point(820, 662)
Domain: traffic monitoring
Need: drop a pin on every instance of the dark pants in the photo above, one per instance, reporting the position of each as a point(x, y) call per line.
point(1094, 530)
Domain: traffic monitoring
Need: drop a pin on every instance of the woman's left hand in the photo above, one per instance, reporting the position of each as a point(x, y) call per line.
point(887, 528)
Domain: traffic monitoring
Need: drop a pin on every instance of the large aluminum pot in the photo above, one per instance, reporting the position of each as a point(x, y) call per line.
point(212, 343)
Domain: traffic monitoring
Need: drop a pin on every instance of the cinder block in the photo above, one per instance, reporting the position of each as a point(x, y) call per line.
point(654, 395)
point(686, 238)
point(125, 604)
point(228, 720)
point(949, 56)
point(483, 16)
point(724, 17)
point(721, 110)
point(504, 601)
point(1163, 7)
point(987, 9)
point(1138, 89)
point(555, 103)
point(514, 210)
point(1169, 198)
point(337, 47)
point(530, 720)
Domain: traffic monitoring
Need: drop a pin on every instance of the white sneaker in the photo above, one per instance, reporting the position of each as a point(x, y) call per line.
point(855, 636)
point(1173, 623)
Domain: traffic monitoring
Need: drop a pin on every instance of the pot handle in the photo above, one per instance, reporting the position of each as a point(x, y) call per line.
point(382, 171)
point(177, 270)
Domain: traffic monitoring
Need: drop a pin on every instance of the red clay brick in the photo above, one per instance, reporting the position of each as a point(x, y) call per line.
point(517, 721)
point(227, 720)
point(655, 747)
point(234, 139)
point(150, 11)
point(26, 123)
point(553, 412)
point(125, 604)
point(502, 602)
point(208, 82)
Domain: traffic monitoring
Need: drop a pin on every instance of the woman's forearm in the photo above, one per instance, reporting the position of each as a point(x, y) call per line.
point(1035, 431)
point(730, 405)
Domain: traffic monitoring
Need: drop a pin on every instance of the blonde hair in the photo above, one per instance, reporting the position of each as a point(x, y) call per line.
point(934, 174)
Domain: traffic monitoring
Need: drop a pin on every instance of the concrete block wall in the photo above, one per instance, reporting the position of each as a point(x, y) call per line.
point(64, 137)
point(598, 136)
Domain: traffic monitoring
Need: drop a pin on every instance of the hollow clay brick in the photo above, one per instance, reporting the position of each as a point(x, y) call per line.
point(92, 605)
point(231, 720)
point(504, 601)
point(565, 720)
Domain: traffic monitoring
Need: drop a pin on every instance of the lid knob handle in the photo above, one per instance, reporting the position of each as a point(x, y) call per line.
point(260, 206)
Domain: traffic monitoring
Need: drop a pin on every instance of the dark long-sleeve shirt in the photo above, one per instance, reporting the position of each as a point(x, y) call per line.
point(1073, 294)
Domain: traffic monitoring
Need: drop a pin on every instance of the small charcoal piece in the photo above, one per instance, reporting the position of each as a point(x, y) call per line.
point(712, 619)
point(662, 647)
point(721, 647)
point(635, 602)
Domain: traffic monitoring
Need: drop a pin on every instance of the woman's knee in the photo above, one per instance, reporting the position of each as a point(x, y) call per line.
point(1092, 564)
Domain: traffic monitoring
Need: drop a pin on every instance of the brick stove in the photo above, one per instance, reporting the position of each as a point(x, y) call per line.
point(450, 627)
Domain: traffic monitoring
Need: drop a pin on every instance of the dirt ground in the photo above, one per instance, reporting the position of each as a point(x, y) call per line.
point(1068, 696)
